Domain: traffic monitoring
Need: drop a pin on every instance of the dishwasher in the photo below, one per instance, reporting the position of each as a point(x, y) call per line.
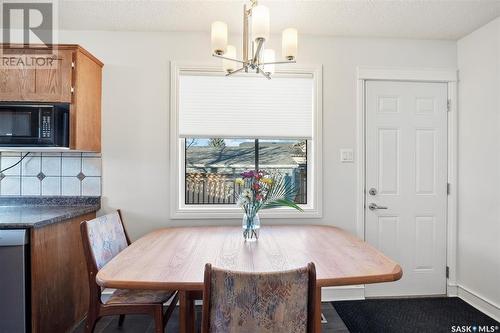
point(14, 281)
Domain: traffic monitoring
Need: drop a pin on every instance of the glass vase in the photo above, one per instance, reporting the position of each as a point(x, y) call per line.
point(251, 227)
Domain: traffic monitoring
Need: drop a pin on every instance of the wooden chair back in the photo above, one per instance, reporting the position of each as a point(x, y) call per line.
point(259, 302)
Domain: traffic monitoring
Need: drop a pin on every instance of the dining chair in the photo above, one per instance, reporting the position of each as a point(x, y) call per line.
point(103, 238)
point(242, 302)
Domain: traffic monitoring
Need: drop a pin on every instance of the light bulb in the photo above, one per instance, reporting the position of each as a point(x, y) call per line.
point(269, 56)
point(289, 43)
point(228, 65)
point(219, 37)
point(260, 22)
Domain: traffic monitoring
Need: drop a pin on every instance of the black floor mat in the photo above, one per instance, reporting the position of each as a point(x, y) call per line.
point(443, 314)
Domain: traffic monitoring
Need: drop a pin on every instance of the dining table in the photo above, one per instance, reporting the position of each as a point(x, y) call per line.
point(174, 259)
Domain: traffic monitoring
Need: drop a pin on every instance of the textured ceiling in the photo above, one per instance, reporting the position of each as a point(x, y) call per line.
point(438, 19)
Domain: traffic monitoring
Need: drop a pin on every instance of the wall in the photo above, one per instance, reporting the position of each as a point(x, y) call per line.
point(136, 113)
point(479, 164)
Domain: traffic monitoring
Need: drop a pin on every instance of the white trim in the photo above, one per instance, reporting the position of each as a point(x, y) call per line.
point(452, 211)
point(342, 293)
point(425, 75)
point(479, 302)
point(451, 290)
point(314, 209)
point(407, 74)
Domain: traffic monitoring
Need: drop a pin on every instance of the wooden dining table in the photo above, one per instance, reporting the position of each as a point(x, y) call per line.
point(175, 258)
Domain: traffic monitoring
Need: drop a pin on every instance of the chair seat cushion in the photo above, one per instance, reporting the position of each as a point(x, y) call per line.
point(130, 296)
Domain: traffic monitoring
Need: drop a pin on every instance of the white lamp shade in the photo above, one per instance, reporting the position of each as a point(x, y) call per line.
point(289, 43)
point(219, 37)
point(229, 65)
point(260, 22)
point(269, 56)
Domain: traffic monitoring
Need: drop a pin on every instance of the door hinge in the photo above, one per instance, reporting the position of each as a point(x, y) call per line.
point(448, 188)
point(72, 90)
point(72, 64)
point(447, 272)
point(448, 105)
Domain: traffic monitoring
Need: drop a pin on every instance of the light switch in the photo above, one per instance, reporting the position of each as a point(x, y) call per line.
point(346, 155)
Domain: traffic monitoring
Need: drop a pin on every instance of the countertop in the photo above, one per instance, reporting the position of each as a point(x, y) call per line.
point(35, 212)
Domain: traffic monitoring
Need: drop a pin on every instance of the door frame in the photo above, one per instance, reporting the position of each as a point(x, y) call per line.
point(450, 77)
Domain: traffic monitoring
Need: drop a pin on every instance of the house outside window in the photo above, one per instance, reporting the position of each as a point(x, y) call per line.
point(223, 126)
point(213, 164)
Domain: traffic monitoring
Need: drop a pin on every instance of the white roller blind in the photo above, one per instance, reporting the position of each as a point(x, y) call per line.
point(245, 106)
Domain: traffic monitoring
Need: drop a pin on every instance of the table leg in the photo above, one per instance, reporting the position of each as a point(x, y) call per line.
point(317, 311)
point(186, 312)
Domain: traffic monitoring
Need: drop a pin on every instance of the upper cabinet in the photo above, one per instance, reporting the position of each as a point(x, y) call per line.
point(69, 74)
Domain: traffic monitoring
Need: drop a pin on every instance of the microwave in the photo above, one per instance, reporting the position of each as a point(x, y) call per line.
point(28, 125)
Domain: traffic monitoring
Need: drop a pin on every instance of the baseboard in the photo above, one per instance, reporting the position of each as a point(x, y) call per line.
point(479, 302)
point(342, 293)
point(451, 290)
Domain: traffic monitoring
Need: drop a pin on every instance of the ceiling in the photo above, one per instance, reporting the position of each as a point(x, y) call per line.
point(434, 19)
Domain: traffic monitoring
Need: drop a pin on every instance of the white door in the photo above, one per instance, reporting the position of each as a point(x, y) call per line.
point(406, 177)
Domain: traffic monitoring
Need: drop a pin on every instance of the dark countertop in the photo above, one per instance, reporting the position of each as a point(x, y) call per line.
point(35, 212)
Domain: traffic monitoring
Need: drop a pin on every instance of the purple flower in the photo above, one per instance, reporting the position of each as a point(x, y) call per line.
point(248, 174)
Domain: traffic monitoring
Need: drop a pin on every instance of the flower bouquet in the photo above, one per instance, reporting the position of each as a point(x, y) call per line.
point(262, 191)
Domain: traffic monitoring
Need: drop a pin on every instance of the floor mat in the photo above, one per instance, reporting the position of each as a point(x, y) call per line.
point(443, 314)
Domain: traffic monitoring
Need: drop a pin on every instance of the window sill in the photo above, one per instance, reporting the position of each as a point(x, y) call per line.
point(218, 212)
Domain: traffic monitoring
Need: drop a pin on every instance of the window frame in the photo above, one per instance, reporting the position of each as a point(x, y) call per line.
point(178, 208)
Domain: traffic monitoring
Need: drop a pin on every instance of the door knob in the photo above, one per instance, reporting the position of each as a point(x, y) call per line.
point(374, 206)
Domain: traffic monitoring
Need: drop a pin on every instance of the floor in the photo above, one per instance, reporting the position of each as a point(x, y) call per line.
point(144, 324)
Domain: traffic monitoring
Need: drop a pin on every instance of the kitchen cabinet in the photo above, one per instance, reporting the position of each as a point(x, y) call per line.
point(68, 74)
point(47, 284)
point(23, 78)
point(59, 283)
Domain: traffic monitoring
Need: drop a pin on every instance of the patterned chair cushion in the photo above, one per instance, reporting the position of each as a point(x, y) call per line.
point(107, 238)
point(129, 296)
point(263, 302)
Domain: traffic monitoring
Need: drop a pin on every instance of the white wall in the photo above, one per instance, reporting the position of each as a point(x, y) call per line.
point(136, 113)
point(479, 163)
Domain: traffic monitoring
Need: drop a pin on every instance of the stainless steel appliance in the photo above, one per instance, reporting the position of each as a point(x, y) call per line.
point(23, 124)
point(14, 281)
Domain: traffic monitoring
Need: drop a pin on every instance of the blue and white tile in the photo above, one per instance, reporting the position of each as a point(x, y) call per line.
point(71, 166)
point(51, 186)
point(10, 185)
point(91, 166)
point(71, 186)
point(8, 161)
point(31, 165)
point(51, 165)
point(91, 186)
point(30, 186)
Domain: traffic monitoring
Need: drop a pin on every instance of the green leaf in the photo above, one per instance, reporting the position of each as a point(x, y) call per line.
point(282, 203)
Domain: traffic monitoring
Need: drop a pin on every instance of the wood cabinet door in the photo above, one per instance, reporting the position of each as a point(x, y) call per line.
point(22, 79)
point(17, 81)
point(53, 84)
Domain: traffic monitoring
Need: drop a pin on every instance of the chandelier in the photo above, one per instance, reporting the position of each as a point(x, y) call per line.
point(255, 57)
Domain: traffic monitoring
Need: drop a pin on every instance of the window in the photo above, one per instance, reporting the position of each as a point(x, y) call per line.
point(213, 164)
point(223, 126)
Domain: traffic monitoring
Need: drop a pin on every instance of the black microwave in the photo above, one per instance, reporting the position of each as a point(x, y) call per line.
point(29, 124)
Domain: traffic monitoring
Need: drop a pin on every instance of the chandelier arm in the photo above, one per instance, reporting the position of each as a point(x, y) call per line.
point(236, 71)
point(222, 57)
point(278, 62)
point(258, 50)
point(260, 70)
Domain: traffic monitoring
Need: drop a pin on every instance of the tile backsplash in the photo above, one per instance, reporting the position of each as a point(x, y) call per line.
point(50, 174)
